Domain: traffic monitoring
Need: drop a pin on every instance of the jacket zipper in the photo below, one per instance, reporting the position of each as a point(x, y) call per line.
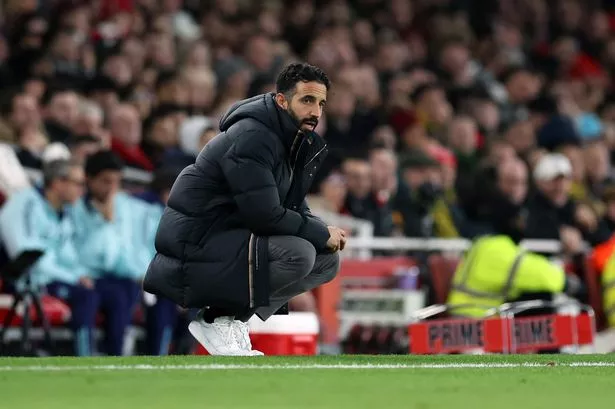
point(292, 169)
point(251, 270)
point(316, 155)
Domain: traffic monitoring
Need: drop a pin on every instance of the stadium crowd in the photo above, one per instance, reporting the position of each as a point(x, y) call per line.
point(428, 97)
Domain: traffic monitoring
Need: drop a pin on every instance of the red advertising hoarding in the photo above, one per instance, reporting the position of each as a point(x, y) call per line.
point(500, 335)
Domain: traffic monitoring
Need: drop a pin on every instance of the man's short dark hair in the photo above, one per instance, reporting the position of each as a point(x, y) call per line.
point(102, 161)
point(299, 72)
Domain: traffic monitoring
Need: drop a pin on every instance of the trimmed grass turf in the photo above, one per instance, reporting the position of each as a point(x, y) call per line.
point(116, 383)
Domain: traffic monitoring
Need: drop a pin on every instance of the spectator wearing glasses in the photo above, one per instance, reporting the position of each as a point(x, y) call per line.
point(36, 219)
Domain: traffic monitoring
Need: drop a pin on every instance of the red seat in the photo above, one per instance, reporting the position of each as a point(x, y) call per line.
point(56, 311)
point(442, 270)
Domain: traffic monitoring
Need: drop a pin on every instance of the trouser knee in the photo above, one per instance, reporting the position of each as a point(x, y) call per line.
point(330, 266)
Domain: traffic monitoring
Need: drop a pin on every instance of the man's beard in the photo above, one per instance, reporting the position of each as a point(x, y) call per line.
point(310, 122)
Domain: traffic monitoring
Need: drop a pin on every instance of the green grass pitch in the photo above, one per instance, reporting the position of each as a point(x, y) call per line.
point(520, 381)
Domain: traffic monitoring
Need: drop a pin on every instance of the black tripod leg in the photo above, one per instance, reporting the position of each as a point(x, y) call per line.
point(44, 323)
point(25, 344)
point(8, 319)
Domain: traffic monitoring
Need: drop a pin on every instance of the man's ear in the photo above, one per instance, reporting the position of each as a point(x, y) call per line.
point(281, 100)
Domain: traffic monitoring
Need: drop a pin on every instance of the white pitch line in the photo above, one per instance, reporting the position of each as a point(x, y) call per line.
point(58, 368)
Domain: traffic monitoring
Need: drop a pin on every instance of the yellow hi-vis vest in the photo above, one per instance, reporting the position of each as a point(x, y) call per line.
point(494, 270)
point(608, 288)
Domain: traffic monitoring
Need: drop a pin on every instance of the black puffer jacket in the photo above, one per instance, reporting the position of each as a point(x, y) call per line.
point(247, 184)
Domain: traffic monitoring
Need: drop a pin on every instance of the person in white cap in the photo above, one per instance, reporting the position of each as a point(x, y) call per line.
point(553, 214)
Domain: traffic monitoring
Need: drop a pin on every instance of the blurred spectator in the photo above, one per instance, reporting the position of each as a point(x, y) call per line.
point(419, 192)
point(361, 199)
point(20, 111)
point(161, 314)
point(433, 109)
point(13, 177)
point(551, 208)
point(125, 128)
point(104, 219)
point(61, 112)
point(36, 219)
point(90, 121)
point(522, 86)
point(332, 194)
point(195, 133)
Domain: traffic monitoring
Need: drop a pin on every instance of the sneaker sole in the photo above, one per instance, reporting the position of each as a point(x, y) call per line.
point(195, 329)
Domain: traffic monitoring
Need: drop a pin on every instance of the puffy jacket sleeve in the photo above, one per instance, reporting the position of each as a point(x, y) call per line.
point(248, 168)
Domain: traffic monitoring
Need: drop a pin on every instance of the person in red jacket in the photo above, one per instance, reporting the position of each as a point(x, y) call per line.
point(126, 135)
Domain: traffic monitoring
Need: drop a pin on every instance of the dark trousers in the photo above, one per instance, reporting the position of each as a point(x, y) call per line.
point(118, 297)
point(84, 304)
point(160, 322)
point(294, 268)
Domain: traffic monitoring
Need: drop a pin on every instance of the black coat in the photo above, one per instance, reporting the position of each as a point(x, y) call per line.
point(545, 218)
point(247, 184)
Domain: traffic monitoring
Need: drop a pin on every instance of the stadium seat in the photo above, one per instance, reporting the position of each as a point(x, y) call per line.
point(442, 269)
point(57, 313)
point(328, 296)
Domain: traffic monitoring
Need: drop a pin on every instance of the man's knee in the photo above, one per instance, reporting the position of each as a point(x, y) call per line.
point(330, 266)
point(294, 252)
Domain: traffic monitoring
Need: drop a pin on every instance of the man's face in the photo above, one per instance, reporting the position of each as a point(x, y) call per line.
point(174, 92)
point(521, 136)
point(556, 190)
point(88, 124)
point(597, 161)
point(25, 111)
point(523, 87)
point(513, 180)
point(462, 135)
point(64, 109)
point(164, 132)
point(342, 104)
point(384, 169)
point(306, 104)
point(72, 187)
point(126, 125)
point(105, 184)
point(416, 176)
point(358, 174)
point(436, 106)
point(454, 58)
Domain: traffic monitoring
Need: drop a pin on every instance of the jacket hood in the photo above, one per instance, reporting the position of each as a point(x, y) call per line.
point(265, 110)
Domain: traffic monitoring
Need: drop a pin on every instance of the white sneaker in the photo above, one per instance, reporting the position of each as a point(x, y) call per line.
point(219, 337)
point(243, 336)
